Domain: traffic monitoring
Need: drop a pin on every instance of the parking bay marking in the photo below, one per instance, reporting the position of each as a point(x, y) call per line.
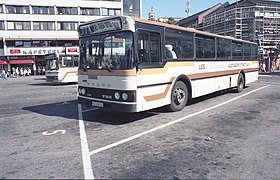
point(170, 123)
point(46, 133)
point(88, 174)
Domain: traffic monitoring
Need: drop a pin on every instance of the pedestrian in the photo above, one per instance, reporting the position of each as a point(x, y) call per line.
point(264, 67)
point(4, 75)
point(13, 72)
point(17, 72)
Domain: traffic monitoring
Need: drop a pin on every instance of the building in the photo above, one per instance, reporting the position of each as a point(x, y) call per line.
point(195, 20)
point(166, 19)
point(152, 15)
point(253, 20)
point(30, 29)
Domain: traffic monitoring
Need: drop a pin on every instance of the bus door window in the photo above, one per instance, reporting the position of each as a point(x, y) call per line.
point(148, 46)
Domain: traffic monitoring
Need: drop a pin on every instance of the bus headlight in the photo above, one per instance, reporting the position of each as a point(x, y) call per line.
point(117, 96)
point(124, 96)
point(83, 91)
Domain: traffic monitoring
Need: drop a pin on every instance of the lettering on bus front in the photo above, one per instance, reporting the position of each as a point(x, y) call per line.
point(103, 26)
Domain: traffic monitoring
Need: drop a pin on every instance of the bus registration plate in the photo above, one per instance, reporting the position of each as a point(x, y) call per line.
point(98, 104)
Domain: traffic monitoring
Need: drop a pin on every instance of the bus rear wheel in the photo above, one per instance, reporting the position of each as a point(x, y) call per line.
point(179, 96)
point(240, 83)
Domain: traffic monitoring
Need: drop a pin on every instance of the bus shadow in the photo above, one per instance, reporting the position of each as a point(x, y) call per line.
point(69, 110)
point(66, 109)
point(212, 95)
point(52, 84)
point(114, 118)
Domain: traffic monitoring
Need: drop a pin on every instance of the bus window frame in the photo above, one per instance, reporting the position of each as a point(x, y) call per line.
point(179, 58)
point(151, 64)
point(215, 48)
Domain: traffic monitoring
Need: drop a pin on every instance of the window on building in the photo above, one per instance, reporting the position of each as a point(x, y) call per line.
point(1, 44)
point(19, 25)
point(67, 10)
point(205, 46)
point(182, 42)
point(17, 9)
point(237, 50)
point(40, 43)
point(43, 26)
point(1, 8)
point(90, 11)
point(43, 10)
point(148, 44)
point(2, 25)
point(111, 12)
point(67, 25)
point(68, 43)
point(131, 8)
point(223, 48)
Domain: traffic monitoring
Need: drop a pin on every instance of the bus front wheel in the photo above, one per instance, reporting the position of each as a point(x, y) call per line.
point(179, 96)
point(240, 83)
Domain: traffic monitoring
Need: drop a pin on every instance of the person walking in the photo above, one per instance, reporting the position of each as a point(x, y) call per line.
point(4, 75)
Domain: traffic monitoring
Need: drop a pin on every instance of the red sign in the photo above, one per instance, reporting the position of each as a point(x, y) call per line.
point(72, 49)
point(15, 51)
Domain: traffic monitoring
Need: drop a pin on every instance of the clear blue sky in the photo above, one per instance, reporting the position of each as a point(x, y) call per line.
point(173, 8)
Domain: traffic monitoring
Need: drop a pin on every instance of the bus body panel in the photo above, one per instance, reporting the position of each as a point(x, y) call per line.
point(152, 80)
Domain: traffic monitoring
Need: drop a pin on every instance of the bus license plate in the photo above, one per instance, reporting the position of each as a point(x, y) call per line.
point(98, 104)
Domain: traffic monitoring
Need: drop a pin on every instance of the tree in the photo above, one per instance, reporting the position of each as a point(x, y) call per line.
point(171, 20)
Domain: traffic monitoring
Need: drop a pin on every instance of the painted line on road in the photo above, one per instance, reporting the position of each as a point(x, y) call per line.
point(93, 109)
point(88, 174)
point(170, 123)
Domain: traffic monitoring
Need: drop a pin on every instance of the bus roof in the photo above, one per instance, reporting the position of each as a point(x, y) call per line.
point(188, 29)
point(168, 26)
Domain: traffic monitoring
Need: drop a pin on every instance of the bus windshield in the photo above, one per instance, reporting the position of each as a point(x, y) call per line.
point(52, 64)
point(110, 51)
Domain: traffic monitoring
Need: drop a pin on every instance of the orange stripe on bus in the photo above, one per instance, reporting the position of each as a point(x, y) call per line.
point(160, 95)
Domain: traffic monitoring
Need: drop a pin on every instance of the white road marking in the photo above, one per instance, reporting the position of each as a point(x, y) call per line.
point(93, 109)
point(88, 174)
point(170, 123)
point(46, 133)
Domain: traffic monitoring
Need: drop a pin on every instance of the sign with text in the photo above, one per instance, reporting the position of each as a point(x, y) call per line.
point(41, 51)
point(100, 26)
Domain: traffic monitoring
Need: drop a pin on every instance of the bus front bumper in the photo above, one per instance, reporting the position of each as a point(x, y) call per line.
point(108, 105)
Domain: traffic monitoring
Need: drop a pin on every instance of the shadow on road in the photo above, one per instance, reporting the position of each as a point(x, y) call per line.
point(114, 118)
point(52, 84)
point(66, 109)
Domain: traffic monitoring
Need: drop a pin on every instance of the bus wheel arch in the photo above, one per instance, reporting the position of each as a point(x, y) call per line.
point(180, 94)
point(241, 81)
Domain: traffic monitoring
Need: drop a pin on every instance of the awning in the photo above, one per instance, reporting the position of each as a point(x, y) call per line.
point(3, 62)
point(25, 61)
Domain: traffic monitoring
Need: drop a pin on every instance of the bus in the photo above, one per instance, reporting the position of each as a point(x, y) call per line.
point(126, 65)
point(62, 67)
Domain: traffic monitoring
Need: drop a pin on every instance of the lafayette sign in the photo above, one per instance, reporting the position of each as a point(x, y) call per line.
point(41, 51)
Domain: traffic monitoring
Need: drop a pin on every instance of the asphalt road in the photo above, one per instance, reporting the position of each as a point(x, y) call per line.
point(219, 136)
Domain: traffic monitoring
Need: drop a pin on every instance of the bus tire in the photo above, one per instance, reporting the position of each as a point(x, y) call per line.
point(179, 96)
point(240, 83)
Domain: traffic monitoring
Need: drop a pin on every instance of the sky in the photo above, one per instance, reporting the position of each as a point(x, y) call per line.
point(176, 8)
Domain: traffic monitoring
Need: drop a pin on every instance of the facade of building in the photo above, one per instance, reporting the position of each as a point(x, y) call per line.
point(165, 19)
point(253, 20)
point(195, 20)
point(30, 29)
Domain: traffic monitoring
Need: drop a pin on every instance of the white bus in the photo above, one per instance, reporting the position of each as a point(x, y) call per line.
point(125, 64)
point(61, 68)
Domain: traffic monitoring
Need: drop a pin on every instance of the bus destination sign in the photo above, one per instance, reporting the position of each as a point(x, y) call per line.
point(101, 26)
